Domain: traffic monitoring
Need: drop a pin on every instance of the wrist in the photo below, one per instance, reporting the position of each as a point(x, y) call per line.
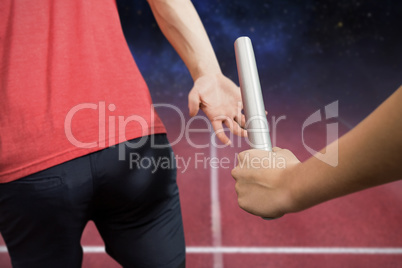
point(205, 70)
point(293, 180)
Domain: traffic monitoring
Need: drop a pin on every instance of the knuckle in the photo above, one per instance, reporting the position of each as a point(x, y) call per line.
point(234, 173)
point(241, 203)
point(237, 188)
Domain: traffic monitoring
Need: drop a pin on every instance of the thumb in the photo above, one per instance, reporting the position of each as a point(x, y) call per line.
point(193, 102)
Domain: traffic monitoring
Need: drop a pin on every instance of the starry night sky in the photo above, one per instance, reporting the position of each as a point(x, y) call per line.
point(309, 53)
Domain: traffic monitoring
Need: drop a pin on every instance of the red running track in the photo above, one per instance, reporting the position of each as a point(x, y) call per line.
point(359, 230)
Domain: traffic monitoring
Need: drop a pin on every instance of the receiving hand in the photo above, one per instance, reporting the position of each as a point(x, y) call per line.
point(220, 99)
point(263, 181)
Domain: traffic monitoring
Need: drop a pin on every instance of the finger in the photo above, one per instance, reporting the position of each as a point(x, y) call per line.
point(220, 133)
point(235, 128)
point(239, 159)
point(234, 173)
point(242, 154)
point(241, 120)
point(237, 188)
point(275, 149)
point(193, 102)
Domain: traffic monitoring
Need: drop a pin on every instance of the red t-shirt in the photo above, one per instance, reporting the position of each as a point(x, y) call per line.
point(69, 85)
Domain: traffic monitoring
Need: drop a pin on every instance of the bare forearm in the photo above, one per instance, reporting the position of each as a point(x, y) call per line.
point(182, 26)
point(369, 155)
point(216, 95)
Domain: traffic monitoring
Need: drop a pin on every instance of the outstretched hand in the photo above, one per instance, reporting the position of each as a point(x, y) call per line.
point(263, 181)
point(220, 99)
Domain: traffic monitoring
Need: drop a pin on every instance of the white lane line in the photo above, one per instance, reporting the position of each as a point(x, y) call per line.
point(215, 209)
point(294, 250)
point(269, 250)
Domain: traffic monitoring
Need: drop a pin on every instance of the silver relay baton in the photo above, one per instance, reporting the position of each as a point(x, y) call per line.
point(253, 103)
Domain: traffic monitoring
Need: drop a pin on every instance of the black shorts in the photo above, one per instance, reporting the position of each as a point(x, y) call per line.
point(132, 198)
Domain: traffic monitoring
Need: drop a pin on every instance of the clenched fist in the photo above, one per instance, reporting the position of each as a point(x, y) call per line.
point(263, 181)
